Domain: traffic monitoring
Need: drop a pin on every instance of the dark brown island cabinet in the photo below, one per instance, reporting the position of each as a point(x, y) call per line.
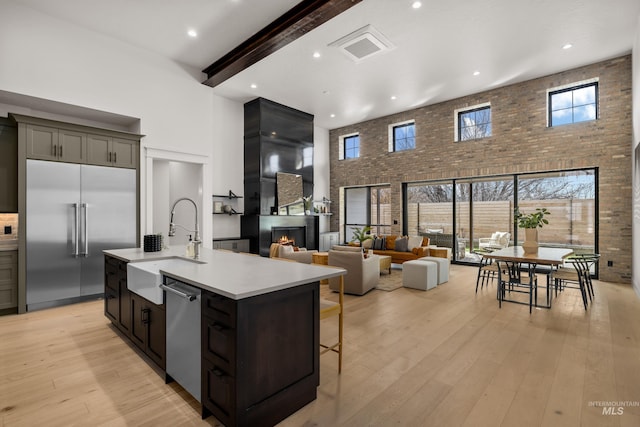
point(259, 355)
point(140, 320)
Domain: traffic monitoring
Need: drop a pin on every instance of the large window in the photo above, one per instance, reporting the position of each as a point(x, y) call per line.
point(574, 104)
point(402, 136)
point(474, 123)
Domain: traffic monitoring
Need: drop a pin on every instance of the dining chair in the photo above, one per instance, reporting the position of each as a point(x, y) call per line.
point(512, 277)
point(580, 275)
point(329, 309)
point(487, 270)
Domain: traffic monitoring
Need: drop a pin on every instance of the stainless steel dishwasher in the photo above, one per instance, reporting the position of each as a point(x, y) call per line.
point(183, 334)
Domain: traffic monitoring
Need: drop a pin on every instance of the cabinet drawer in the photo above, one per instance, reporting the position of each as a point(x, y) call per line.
point(220, 308)
point(219, 343)
point(218, 393)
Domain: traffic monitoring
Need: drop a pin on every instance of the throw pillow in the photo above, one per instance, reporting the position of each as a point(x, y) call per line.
point(390, 244)
point(402, 244)
point(286, 249)
point(367, 244)
point(414, 242)
point(379, 244)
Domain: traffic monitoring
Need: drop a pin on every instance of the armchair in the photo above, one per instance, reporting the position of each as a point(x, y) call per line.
point(362, 273)
point(498, 240)
point(287, 252)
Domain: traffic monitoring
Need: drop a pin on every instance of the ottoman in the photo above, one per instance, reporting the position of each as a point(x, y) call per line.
point(421, 275)
point(443, 267)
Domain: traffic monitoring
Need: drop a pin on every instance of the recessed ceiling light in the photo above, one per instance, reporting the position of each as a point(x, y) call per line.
point(567, 46)
point(192, 33)
point(393, 97)
point(332, 115)
point(476, 73)
point(416, 5)
point(316, 54)
point(254, 86)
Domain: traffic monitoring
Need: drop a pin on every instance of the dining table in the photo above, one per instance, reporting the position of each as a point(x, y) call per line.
point(548, 257)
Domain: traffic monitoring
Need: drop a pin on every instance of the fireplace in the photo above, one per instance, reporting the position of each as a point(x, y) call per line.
point(259, 229)
point(289, 235)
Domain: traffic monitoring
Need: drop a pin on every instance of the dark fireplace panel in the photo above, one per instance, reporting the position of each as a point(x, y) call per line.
point(294, 235)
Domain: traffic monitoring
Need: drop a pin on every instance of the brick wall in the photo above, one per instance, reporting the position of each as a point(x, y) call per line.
point(520, 142)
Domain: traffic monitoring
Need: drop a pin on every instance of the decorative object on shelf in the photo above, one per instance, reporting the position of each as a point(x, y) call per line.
point(220, 208)
point(308, 201)
point(531, 222)
point(361, 234)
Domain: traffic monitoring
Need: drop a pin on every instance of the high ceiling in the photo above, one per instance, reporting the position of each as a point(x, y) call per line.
point(436, 48)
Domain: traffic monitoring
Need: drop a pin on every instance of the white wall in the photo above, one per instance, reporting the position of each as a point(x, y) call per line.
point(68, 65)
point(56, 61)
point(321, 170)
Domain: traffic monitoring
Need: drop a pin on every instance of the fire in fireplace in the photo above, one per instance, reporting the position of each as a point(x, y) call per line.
point(289, 235)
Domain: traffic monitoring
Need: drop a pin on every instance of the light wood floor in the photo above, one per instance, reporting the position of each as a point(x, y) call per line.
point(444, 357)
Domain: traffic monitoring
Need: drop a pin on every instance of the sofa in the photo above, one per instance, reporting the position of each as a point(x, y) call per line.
point(291, 252)
point(417, 247)
point(362, 273)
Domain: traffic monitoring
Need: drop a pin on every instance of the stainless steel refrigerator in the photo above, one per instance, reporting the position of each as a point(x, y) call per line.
point(73, 213)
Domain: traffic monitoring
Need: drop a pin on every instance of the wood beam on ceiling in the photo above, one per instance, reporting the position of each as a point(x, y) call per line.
point(298, 21)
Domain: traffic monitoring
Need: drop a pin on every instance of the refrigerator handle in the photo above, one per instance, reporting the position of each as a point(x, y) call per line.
point(76, 231)
point(85, 228)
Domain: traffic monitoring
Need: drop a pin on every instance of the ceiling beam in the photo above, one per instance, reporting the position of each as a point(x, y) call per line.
point(299, 20)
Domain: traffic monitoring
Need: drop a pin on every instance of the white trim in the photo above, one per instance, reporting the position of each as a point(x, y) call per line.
point(390, 132)
point(151, 154)
point(569, 86)
point(456, 113)
point(341, 144)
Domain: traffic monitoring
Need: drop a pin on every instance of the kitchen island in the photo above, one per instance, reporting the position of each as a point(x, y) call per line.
point(259, 328)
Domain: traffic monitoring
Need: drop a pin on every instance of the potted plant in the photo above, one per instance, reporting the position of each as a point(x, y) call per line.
point(531, 222)
point(361, 234)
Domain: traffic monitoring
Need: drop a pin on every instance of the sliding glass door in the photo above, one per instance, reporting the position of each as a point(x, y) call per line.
point(367, 206)
point(484, 208)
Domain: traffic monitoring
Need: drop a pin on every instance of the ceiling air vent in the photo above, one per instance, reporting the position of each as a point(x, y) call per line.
point(363, 43)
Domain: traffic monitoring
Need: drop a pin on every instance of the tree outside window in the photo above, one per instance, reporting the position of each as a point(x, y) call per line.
point(474, 124)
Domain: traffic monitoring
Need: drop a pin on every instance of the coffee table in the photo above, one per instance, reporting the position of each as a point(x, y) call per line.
point(385, 262)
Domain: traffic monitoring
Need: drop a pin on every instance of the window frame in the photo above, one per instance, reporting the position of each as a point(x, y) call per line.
point(570, 88)
point(457, 117)
point(342, 146)
point(392, 137)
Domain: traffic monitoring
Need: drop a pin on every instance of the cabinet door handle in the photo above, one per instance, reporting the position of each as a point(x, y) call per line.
point(55, 150)
point(218, 327)
point(115, 157)
point(217, 372)
point(61, 151)
point(109, 156)
point(145, 315)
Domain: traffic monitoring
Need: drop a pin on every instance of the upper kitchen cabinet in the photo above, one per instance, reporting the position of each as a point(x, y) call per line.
point(69, 143)
point(48, 143)
point(108, 151)
point(8, 166)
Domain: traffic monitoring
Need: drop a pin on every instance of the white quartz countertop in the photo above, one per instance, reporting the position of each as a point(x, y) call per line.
point(234, 275)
